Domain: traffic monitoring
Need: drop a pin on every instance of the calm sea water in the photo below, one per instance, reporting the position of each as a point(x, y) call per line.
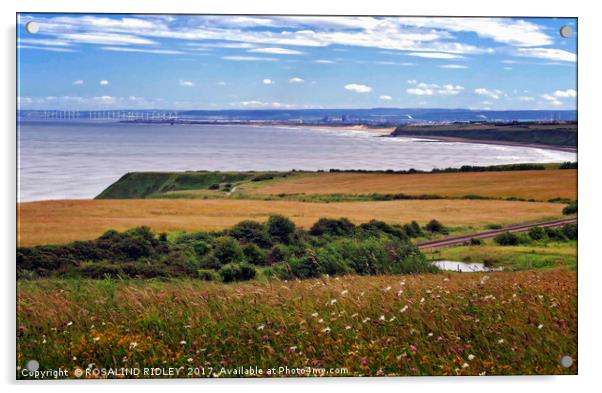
point(67, 160)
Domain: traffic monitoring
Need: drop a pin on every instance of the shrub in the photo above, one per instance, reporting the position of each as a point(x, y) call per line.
point(537, 233)
point(254, 255)
point(278, 253)
point(214, 186)
point(571, 208)
point(208, 275)
point(305, 266)
point(435, 227)
point(237, 272)
point(570, 231)
point(249, 231)
point(227, 250)
point(332, 227)
point(556, 234)
point(280, 228)
point(493, 226)
point(475, 242)
point(413, 229)
point(377, 228)
point(330, 261)
point(210, 262)
point(507, 239)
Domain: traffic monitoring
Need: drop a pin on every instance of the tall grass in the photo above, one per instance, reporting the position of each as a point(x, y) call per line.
point(437, 324)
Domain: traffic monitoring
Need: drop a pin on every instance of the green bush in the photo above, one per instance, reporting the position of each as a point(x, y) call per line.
point(537, 233)
point(435, 226)
point(305, 266)
point(571, 208)
point(377, 228)
point(249, 231)
point(208, 275)
point(570, 231)
point(332, 227)
point(254, 255)
point(227, 250)
point(280, 229)
point(507, 239)
point(475, 241)
point(493, 226)
point(413, 229)
point(278, 253)
point(237, 272)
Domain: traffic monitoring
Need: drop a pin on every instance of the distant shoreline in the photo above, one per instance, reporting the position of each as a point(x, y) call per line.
point(436, 139)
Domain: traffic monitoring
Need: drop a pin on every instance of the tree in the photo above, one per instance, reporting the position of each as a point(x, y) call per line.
point(227, 250)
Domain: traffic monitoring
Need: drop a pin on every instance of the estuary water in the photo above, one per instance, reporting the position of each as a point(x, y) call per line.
point(75, 160)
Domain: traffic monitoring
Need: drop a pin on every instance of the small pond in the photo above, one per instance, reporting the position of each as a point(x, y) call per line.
point(457, 266)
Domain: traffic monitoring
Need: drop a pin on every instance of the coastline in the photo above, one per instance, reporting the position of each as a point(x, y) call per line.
point(436, 139)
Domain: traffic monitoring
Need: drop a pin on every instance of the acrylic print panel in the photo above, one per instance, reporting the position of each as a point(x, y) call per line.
point(295, 196)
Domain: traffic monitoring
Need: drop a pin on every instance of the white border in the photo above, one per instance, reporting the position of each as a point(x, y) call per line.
point(590, 139)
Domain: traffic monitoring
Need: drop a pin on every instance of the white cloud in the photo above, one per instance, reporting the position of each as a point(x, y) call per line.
point(412, 81)
point(268, 81)
point(78, 82)
point(547, 53)
point(569, 93)
point(551, 99)
point(323, 61)
point(435, 55)
point(491, 93)
point(45, 48)
point(385, 98)
point(104, 82)
point(525, 98)
point(105, 39)
point(186, 83)
point(296, 80)
point(248, 58)
point(44, 42)
point(142, 50)
point(508, 68)
point(358, 88)
point(276, 51)
point(429, 89)
point(503, 30)
point(453, 66)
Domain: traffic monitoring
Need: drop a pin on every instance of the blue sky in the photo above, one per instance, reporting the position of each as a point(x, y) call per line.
point(93, 61)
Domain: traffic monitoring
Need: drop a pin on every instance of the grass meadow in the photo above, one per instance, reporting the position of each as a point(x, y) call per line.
point(503, 323)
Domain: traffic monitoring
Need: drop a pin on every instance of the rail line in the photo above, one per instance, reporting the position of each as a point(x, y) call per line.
point(459, 240)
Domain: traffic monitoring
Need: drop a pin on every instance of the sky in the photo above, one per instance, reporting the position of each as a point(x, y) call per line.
point(183, 62)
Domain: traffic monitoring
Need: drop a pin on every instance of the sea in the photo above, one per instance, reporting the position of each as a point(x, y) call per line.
point(79, 159)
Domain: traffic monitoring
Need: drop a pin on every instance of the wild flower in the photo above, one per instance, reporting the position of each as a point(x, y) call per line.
point(347, 327)
point(183, 342)
point(354, 315)
point(404, 308)
point(363, 362)
point(320, 320)
point(365, 319)
point(190, 360)
point(333, 301)
point(69, 323)
point(260, 327)
point(413, 348)
point(315, 315)
point(344, 292)
point(292, 349)
point(326, 329)
point(465, 365)
point(96, 339)
point(387, 289)
point(422, 300)
point(133, 345)
point(266, 337)
point(500, 341)
point(471, 357)
point(540, 326)
point(382, 318)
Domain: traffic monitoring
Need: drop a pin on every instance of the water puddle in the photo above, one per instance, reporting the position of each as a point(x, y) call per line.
point(457, 266)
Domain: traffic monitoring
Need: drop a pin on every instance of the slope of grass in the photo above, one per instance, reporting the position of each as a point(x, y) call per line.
point(540, 185)
point(439, 324)
point(49, 222)
point(148, 184)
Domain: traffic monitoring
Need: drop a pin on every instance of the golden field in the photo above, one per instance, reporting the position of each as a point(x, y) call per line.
point(539, 185)
point(61, 221)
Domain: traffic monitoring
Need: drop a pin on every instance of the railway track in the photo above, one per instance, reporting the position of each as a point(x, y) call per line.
point(459, 240)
